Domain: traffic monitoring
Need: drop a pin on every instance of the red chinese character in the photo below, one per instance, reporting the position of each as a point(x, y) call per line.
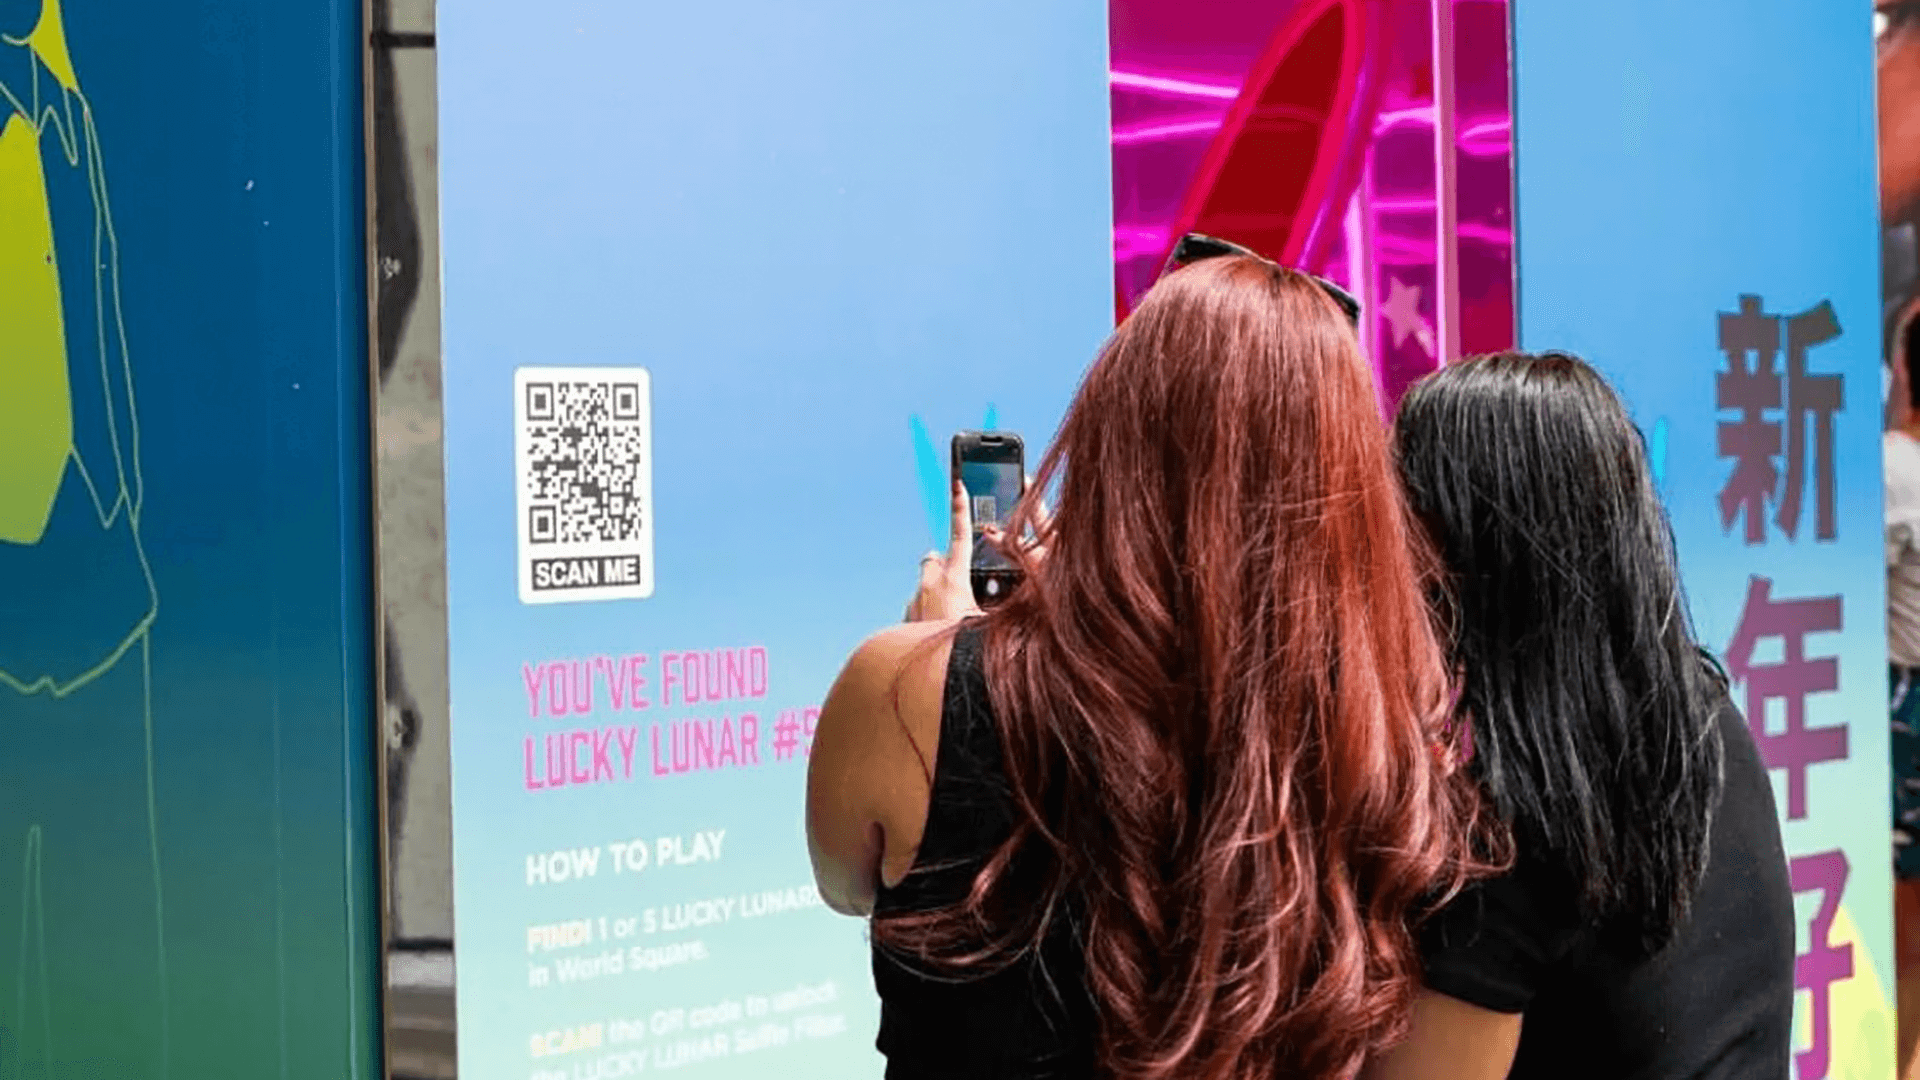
point(1791, 680)
point(1824, 963)
point(1752, 386)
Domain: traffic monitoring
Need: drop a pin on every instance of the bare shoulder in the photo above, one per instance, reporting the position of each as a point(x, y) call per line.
point(871, 769)
point(907, 662)
point(885, 706)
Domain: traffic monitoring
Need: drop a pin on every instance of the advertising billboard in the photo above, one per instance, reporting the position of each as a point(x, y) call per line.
point(702, 290)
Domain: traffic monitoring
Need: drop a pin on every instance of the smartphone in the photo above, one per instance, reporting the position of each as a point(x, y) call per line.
point(992, 466)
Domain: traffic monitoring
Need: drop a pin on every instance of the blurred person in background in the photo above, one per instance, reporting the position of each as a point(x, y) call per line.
point(1170, 808)
point(1897, 29)
point(1900, 454)
point(1646, 930)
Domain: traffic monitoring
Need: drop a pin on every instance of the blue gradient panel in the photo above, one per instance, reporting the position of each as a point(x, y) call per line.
point(812, 224)
point(1671, 159)
point(187, 871)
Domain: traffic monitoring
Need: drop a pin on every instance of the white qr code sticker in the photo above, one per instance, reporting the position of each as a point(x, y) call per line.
point(583, 477)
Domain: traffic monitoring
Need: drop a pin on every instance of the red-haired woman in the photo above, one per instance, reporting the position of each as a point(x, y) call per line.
point(1169, 809)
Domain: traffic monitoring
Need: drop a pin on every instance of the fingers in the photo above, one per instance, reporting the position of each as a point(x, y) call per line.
point(932, 579)
point(1035, 543)
point(996, 538)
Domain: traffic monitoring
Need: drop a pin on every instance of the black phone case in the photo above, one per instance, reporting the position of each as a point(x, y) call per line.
point(989, 586)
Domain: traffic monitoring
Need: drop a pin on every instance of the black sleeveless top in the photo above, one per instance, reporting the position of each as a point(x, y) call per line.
point(1031, 1021)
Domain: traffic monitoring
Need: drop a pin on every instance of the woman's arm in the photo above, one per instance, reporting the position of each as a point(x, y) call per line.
point(870, 771)
point(1450, 1040)
point(843, 836)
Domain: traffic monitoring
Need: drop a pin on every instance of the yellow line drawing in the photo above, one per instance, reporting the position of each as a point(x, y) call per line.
point(45, 109)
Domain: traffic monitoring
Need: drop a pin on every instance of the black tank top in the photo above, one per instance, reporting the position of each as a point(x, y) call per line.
point(1031, 1021)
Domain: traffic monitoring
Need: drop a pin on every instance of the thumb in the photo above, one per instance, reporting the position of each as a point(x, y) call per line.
point(960, 547)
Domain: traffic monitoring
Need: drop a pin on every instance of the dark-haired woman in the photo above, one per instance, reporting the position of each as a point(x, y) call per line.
point(1167, 810)
point(1646, 929)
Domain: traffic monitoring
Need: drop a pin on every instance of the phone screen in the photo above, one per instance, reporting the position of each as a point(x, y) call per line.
point(993, 488)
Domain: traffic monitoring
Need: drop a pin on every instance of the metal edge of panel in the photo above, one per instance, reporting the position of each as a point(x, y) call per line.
point(417, 1001)
point(370, 163)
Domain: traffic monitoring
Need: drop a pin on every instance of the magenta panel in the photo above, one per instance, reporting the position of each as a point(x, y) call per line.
point(1333, 135)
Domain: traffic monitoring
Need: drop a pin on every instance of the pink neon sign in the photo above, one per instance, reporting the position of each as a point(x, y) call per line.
point(1365, 140)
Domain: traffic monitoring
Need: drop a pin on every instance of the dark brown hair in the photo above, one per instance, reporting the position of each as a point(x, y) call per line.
point(1222, 700)
point(1593, 709)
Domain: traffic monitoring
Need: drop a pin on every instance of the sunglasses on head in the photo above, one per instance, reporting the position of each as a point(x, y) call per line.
point(1195, 247)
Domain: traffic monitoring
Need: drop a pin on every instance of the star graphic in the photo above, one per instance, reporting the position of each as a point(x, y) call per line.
point(1402, 312)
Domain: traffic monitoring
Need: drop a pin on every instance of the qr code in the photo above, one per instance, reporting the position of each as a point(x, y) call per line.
point(584, 477)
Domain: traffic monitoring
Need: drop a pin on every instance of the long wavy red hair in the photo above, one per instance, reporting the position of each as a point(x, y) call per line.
point(1222, 700)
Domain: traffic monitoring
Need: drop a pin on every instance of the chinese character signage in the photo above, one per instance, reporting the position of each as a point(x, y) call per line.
point(1725, 275)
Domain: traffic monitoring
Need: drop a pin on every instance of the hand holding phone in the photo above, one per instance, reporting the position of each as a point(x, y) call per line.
point(991, 467)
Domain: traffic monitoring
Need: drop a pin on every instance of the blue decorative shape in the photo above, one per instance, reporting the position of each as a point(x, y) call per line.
point(933, 482)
